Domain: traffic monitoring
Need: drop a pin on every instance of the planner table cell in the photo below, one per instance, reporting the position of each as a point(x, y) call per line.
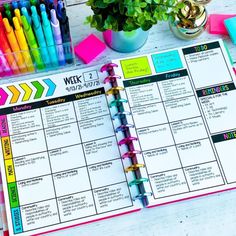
point(196, 152)
point(98, 173)
point(188, 130)
point(90, 107)
point(35, 189)
point(66, 158)
point(62, 136)
point(168, 183)
point(76, 206)
point(175, 88)
point(96, 128)
point(58, 114)
point(203, 176)
point(209, 60)
point(112, 197)
point(38, 164)
point(71, 181)
point(101, 150)
point(227, 157)
point(28, 143)
point(149, 115)
point(26, 121)
point(155, 137)
point(182, 108)
point(143, 94)
point(158, 160)
point(38, 215)
point(220, 111)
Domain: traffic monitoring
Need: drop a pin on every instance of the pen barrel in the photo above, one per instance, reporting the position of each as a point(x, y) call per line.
point(25, 50)
point(58, 41)
point(16, 52)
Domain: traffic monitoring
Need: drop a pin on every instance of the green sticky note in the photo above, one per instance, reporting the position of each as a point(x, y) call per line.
point(167, 61)
point(135, 67)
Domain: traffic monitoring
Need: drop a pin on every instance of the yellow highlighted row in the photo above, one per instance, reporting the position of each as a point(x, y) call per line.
point(10, 173)
point(6, 146)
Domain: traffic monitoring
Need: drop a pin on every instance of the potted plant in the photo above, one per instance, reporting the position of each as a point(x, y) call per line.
point(125, 23)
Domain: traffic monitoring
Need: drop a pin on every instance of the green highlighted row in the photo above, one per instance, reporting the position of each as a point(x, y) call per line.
point(13, 195)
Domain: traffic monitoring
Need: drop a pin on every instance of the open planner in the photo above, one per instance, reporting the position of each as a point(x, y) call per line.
point(143, 131)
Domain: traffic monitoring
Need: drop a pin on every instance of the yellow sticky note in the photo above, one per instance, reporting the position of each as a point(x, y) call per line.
point(136, 67)
point(10, 173)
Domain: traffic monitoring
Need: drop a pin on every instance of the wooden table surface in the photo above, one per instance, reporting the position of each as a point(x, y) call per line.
point(206, 216)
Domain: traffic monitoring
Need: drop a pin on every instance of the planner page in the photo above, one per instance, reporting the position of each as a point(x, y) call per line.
point(60, 161)
point(182, 104)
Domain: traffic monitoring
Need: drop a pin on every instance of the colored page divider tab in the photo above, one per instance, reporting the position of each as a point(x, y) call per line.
point(3, 97)
point(167, 61)
point(136, 67)
point(6, 147)
point(28, 91)
point(15, 94)
point(10, 173)
point(39, 91)
point(51, 87)
point(3, 126)
point(16, 220)
point(13, 195)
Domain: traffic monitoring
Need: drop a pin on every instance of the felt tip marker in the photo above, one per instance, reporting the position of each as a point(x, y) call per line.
point(41, 40)
point(14, 46)
point(4, 65)
point(23, 45)
point(32, 43)
point(57, 37)
point(42, 7)
point(8, 53)
point(24, 3)
point(18, 15)
point(25, 13)
point(15, 5)
point(49, 39)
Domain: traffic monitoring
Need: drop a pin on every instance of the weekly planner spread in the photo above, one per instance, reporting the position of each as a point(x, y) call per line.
point(62, 156)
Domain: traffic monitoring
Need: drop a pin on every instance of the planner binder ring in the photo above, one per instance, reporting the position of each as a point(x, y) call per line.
point(125, 128)
point(134, 167)
point(120, 114)
point(118, 102)
point(142, 195)
point(131, 154)
point(138, 181)
point(111, 78)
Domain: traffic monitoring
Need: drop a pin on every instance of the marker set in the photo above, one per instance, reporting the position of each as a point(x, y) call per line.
point(34, 36)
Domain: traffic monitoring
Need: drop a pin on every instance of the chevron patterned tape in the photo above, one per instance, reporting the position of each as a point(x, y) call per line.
point(3, 97)
point(28, 91)
point(39, 88)
point(51, 87)
point(15, 93)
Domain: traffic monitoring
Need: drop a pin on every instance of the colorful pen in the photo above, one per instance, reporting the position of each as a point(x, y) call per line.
point(23, 44)
point(7, 6)
point(25, 13)
point(5, 66)
point(18, 15)
point(14, 46)
point(57, 37)
point(49, 39)
point(24, 3)
point(33, 2)
point(8, 53)
point(40, 38)
point(15, 4)
point(65, 32)
point(8, 15)
point(32, 43)
point(42, 7)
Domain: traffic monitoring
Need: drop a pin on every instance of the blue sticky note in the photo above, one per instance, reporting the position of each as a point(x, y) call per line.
point(167, 61)
point(230, 25)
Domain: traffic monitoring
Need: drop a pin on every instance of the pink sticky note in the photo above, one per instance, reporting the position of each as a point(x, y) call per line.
point(216, 23)
point(89, 48)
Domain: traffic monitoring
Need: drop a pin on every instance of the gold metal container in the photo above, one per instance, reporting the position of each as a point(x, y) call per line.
point(204, 2)
point(190, 22)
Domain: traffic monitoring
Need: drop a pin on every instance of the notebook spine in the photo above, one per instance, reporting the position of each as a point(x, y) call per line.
point(125, 127)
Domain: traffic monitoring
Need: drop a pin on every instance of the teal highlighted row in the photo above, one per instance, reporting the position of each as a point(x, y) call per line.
point(16, 220)
point(167, 61)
